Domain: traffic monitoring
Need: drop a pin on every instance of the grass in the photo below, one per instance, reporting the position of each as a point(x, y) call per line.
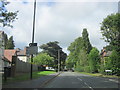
point(26, 76)
point(99, 74)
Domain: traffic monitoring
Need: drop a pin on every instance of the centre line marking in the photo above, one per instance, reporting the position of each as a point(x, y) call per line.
point(85, 84)
point(88, 85)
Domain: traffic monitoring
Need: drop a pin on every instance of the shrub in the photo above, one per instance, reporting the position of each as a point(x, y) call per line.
point(79, 69)
point(87, 69)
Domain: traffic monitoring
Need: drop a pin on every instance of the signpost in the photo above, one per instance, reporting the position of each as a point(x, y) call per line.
point(32, 44)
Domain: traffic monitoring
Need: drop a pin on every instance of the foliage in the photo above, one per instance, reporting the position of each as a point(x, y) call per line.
point(79, 68)
point(102, 69)
point(82, 61)
point(109, 48)
point(108, 63)
point(70, 62)
point(6, 17)
point(52, 48)
point(94, 60)
point(74, 49)
point(43, 59)
point(87, 44)
point(87, 69)
point(115, 60)
point(111, 31)
point(79, 49)
point(5, 40)
point(10, 43)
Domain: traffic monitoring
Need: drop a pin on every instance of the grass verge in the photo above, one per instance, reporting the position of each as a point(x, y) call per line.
point(26, 76)
point(99, 74)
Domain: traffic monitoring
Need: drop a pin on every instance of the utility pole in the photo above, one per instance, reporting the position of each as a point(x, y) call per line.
point(59, 60)
point(33, 37)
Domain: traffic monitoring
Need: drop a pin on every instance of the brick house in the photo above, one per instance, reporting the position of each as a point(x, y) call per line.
point(9, 53)
point(104, 53)
point(11, 56)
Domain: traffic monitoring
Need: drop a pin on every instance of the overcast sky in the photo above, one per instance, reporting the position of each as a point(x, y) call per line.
point(61, 21)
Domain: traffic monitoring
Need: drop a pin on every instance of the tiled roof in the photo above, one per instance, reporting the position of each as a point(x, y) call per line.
point(108, 53)
point(9, 53)
point(105, 53)
point(21, 52)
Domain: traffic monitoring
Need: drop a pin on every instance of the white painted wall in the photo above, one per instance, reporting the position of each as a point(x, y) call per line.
point(23, 58)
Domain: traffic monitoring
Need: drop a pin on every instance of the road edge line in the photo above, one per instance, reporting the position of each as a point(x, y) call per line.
point(47, 81)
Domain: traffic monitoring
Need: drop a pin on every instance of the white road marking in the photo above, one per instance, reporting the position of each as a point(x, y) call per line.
point(85, 84)
point(113, 80)
point(88, 85)
point(79, 79)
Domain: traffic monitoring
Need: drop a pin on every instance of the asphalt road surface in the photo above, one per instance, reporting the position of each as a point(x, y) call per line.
point(77, 80)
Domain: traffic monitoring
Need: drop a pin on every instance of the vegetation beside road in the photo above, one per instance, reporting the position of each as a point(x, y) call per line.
point(26, 76)
point(99, 74)
point(84, 57)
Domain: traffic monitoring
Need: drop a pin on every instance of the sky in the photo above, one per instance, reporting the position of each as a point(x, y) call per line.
point(61, 21)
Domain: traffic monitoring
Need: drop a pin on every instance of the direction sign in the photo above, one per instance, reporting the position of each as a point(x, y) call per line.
point(31, 50)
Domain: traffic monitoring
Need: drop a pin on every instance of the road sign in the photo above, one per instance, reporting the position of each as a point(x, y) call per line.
point(31, 50)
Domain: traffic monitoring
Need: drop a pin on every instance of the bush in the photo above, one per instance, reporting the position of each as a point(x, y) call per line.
point(102, 69)
point(87, 69)
point(79, 69)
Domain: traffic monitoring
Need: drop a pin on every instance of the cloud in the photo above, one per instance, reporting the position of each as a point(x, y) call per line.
point(60, 21)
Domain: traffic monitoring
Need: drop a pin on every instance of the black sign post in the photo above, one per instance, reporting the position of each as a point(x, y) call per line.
point(33, 37)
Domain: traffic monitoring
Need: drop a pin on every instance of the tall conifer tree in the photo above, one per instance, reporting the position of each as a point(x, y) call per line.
point(87, 44)
point(10, 44)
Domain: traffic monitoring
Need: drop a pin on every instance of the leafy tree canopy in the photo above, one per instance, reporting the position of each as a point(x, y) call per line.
point(52, 48)
point(94, 59)
point(6, 17)
point(111, 31)
point(87, 43)
point(43, 59)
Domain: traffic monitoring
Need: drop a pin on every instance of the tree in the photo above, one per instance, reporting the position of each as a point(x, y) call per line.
point(82, 61)
point(6, 17)
point(5, 40)
point(115, 60)
point(74, 49)
point(79, 50)
point(10, 43)
point(94, 60)
point(43, 59)
point(111, 31)
point(108, 63)
point(51, 48)
point(87, 44)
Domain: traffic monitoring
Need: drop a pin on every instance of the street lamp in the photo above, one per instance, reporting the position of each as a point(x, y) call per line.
point(59, 60)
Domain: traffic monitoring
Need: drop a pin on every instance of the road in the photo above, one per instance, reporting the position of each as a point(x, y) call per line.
point(77, 80)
